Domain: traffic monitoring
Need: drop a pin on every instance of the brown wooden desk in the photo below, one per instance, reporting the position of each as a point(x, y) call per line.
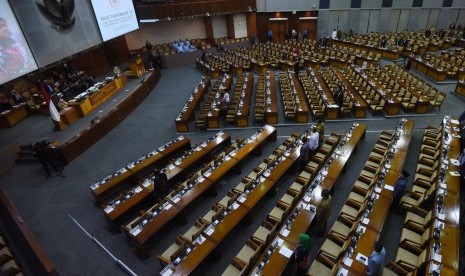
point(152, 227)
point(460, 88)
point(302, 110)
point(436, 74)
point(104, 190)
point(271, 114)
point(187, 114)
point(277, 262)
point(360, 106)
point(331, 109)
point(173, 172)
point(392, 105)
point(242, 115)
point(207, 69)
point(13, 116)
point(385, 53)
point(380, 209)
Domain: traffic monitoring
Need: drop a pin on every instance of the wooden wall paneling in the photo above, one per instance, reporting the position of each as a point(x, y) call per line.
point(117, 50)
point(94, 62)
point(230, 26)
point(209, 29)
point(251, 18)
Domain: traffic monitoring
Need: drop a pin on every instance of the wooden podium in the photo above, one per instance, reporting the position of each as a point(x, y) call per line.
point(136, 68)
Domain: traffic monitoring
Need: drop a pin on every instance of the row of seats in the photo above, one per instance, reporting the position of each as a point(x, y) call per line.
point(448, 62)
point(314, 97)
point(159, 204)
point(185, 240)
point(434, 96)
point(234, 60)
point(267, 231)
point(365, 90)
point(358, 203)
point(289, 95)
point(213, 100)
point(332, 80)
point(8, 264)
point(265, 96)
point(241, 97)
point(408, 99)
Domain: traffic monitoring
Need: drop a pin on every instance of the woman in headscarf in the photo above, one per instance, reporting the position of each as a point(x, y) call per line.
point(301, 254)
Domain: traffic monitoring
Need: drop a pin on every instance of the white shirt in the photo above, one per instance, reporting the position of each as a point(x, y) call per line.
point(334, 35)
point(226, 97)
point(314, 140)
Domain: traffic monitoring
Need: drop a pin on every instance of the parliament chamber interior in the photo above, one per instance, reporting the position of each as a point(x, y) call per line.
point(245, 137)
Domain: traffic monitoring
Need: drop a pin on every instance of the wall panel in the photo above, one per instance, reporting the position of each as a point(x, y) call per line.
point(433, 17)
point(403, 20)
point(344, 21)
point(384, 20)
point(339, 4)
point(394, 22)
point(458, 4)
point(373, 20)
point(402, 3)
point(219, 26)
point(333, 21)
point(446, 16)
point(240, 25)
point(418, 19)
point(362, 25)
point(432, 3)
point(289, 5)
point(461, 18)
point(323, 23)
point(166, 31)
point(354, 17)
point(371, 4)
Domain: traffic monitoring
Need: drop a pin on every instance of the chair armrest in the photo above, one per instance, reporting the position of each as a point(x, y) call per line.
point(397, 269)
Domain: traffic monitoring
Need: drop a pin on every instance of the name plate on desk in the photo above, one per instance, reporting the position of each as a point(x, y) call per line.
point(286, 252)
point(284, 232)
point(389, 187)
point(109, 209)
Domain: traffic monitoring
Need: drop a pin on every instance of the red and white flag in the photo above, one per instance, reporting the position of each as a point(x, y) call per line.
point(51, 107)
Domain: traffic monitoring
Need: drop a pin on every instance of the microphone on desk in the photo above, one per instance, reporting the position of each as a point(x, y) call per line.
point(142, 80)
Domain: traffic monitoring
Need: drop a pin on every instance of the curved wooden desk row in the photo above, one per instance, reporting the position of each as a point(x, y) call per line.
point(429, 70)
point(272, 261)
point(32, 256)
point(331, 110)
point(192, 104)
point(392, 105)
point(385, 53)
point(374, 222)
point(13, 116)
point(237, 211)
point(239, 106)
point(266, 104)
point(360, 106)
point(207, 69)
point(295, 94)
point(140, 232)
point(179, 169)
point(88, 137)
point(160, 156)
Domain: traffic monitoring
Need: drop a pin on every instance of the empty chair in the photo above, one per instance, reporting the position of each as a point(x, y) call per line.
point(322, 266)
point(213, 214)
point(418, 220)
point(410, 261)
point(413, 239)
point(250, 253)
point(333, 250)
point(195, 231)
point(279, 212)
point(236, 268)
point(265, 232)
point(228, 199)
point(172, 252)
